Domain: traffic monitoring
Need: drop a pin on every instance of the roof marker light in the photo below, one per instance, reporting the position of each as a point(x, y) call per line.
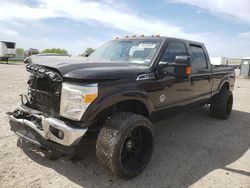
point(188, 70)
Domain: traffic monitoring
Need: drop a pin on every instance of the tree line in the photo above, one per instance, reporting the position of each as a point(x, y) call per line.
point(86, 52)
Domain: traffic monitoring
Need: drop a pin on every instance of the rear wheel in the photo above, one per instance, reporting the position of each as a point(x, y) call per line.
point(125, 143)
point(222, 104)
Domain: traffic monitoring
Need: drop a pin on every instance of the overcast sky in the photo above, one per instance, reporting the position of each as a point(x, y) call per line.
point(223, 25)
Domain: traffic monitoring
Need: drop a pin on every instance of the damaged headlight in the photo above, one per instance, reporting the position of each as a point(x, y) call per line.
point(75, 100)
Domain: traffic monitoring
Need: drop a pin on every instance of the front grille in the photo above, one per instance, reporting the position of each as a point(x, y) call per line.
point(44, 89)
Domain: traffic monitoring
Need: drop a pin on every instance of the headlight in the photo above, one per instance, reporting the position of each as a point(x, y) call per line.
point(75, 99)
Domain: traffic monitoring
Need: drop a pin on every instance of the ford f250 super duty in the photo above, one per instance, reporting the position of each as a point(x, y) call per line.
point(117, 93)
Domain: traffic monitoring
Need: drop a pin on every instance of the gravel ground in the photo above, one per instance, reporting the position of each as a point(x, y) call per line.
point(192, 149)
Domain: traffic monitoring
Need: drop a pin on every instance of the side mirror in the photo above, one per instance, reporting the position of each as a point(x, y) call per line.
point(182, 60)
point(180, 68)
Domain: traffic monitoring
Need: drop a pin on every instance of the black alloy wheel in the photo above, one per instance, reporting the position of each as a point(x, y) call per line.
point(125, 144)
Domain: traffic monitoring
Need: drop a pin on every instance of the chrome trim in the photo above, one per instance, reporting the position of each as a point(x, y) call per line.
point(27, 123)
point(148, 76)
point(27, 110)
point(72, 136)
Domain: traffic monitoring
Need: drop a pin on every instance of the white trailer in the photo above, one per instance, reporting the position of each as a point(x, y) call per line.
point(7, 50)
point(217, 61)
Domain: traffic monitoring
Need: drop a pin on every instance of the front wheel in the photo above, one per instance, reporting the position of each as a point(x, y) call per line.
point(125, 144)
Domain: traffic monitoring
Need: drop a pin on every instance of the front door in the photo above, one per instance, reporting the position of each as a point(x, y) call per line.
point(173, 89)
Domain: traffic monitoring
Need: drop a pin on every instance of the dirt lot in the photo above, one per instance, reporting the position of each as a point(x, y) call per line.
point(192, 149)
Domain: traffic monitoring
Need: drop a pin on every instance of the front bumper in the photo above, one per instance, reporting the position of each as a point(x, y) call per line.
point(42, 128)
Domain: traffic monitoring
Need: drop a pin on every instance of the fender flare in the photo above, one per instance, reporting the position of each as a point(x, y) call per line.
point(225, 80)
point(105, 102)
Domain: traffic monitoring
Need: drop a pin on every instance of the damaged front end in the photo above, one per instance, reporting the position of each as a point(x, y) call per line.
point(37, 119)
point(44, 90)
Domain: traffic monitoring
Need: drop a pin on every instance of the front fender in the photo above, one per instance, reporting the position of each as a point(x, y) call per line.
point(103, 102)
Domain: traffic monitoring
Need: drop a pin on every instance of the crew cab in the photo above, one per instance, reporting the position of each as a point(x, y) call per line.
point(118, 92)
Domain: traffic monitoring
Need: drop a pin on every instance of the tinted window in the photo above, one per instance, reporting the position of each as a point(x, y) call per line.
point(174, 49)
point(198, 58)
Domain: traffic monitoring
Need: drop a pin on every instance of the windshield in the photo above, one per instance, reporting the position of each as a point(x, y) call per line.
point(136, 51)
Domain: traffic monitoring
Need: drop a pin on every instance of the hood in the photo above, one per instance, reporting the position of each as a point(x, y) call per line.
point(80, 68)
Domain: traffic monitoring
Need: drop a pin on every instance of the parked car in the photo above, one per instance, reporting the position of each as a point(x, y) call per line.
point(118, 93)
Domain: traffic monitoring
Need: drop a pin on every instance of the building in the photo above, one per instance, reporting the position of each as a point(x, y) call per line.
point(235, 62)
point(7, 50)
point(245, 67)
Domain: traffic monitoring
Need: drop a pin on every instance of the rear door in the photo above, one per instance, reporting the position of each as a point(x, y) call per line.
point(201, 72)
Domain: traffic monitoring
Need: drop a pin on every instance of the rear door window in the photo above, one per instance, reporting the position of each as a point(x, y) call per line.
point(199, 61)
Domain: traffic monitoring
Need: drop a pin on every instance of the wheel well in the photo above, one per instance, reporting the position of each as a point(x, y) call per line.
point(133, 106)
point(225, 86)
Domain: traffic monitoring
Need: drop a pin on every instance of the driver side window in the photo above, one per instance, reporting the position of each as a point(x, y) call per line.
point(174, 49)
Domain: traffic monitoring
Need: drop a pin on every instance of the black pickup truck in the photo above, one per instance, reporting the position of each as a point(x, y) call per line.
point(116, 93)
